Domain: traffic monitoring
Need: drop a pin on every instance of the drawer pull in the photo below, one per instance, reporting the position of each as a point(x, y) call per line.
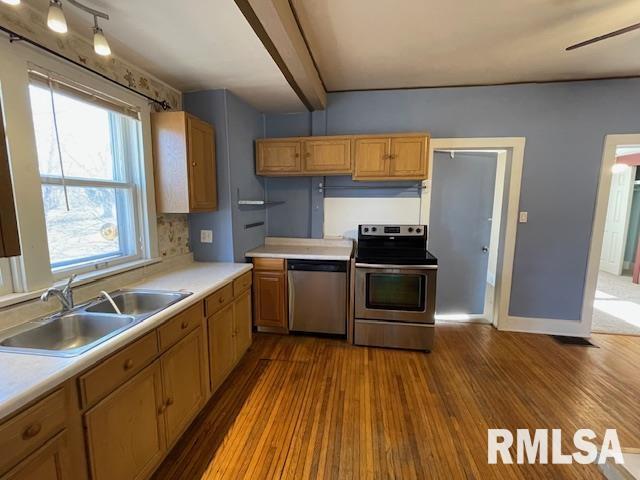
point(221, 300)
point(31, 431)
point(169, 401)
point(128, 365)
point(184, 325)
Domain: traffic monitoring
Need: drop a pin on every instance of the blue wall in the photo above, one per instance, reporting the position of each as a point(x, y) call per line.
point(237, 125)
point(564, 124)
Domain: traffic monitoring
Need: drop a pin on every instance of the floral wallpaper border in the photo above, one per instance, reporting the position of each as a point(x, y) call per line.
point(30, 23)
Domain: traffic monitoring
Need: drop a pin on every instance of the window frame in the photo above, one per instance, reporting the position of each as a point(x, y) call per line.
point(32, 270)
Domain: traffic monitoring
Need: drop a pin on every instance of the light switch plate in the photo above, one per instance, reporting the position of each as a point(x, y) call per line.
point(206, 236)
point(524, 217)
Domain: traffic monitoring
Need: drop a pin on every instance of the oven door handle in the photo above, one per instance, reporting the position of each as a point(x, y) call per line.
point(406, 267)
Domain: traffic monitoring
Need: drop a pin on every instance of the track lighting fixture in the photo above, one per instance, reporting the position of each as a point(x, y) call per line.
point(55, 17)
point(57, 22)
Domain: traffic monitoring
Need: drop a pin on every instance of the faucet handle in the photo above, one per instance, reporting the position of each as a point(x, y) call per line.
point(68, 285)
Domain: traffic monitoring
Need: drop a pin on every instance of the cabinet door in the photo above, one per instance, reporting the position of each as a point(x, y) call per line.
point(327, 156)
point(278, 158)
point(242, 323)
point(49, 462)
point(371, 158)
point(125, 432)
point(184, 383)
point(270, 300)
point(221, 346)
point(203, 194)
point(408, 158)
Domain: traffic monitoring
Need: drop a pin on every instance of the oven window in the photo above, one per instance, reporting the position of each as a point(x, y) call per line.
point(396, 291)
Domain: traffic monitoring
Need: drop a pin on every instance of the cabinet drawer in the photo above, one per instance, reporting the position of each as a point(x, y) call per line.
point(218, 299)
point(32, 428)
point(275, 264)
point(180, 325)
point(241, 283)
point(115, 370)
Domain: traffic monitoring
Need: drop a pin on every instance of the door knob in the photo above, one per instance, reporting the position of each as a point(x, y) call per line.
point(485, 249)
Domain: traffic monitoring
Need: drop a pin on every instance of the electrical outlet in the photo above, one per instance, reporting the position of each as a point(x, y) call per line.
point(524, 217)
point(206, 236)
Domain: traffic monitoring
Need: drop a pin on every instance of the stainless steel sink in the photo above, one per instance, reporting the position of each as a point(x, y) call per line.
point(72, 333)
point(137, 302)
point(66, 335)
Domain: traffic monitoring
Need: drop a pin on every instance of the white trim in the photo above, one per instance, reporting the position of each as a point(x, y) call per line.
point(503, 283)
point(611, 142)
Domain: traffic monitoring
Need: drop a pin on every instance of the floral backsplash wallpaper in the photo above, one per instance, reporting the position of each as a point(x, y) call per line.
point(173, 234)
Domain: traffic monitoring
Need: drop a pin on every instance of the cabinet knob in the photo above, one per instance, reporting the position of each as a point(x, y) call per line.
point(128, 365)
point(31, 431)
point(307, 155)
point(169, 401)
point(184, 325)
point(221, 300)
point(296, 155)
point(162, 408)
point(193, 164)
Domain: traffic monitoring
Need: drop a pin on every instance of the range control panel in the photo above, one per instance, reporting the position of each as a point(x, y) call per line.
point(393, 230)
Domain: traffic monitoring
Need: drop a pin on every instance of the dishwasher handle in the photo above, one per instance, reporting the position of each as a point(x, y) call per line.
point(317, 265)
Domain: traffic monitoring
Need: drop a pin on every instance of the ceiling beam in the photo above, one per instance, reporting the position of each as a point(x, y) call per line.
point(275, 24)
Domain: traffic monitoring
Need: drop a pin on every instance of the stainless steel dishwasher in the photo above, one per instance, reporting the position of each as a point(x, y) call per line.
point(318, 296)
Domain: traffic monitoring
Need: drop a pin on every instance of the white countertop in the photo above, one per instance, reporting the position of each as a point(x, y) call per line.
point(304, 248)
point(24, 377)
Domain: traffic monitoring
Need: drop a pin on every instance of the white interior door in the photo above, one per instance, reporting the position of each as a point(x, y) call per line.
point(617, 222)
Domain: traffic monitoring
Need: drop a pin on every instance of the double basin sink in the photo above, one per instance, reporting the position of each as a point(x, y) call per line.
point(86, 326)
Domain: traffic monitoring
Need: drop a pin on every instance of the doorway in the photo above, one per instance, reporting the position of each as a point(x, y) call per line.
point(466, 213)
point(616, 304)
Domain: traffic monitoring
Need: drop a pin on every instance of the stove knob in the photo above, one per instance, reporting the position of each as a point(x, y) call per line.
point(366, 229)
point(410, 229)
point(373, 229)
point(418, 230)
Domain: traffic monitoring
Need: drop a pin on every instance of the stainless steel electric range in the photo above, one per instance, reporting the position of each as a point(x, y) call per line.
point(395, 287)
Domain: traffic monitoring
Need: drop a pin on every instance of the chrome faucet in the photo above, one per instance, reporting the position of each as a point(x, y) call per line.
point(65, 296)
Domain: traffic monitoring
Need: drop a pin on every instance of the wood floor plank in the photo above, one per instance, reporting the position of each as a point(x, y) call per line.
point(311, 408)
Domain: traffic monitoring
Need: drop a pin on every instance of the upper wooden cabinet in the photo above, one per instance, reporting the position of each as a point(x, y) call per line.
point(327, 156)
point(396, 157)
point(364, 157)
point(278, 157)
point(184, 154)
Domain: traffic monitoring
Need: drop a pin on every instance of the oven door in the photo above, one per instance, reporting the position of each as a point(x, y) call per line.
point(395, 292)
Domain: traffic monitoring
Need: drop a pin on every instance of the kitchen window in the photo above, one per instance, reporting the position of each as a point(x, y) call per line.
point(89, 157)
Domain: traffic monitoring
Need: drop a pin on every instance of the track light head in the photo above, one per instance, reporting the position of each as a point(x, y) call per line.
point(100, 44)
point(55, 18)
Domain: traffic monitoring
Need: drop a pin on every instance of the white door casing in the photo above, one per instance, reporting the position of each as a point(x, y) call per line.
point(617, 221)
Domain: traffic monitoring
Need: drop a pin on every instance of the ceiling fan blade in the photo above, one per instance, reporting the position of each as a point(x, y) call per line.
point(605, 36)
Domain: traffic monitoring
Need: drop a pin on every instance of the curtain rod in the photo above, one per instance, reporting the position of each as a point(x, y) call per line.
point(15, 37)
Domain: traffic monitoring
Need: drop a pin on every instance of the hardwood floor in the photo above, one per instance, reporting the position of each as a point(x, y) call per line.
point(301, 407)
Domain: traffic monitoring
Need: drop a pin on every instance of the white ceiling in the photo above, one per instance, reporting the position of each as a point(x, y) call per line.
point(364, 44)
point(192, 45)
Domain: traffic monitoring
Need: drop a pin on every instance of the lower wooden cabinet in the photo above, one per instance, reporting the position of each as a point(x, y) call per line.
point(270, 300)
point(184, 384)
point(49, 462)
point(221, 345)
point(242, 323)
point(125, 432)
point(229, 337)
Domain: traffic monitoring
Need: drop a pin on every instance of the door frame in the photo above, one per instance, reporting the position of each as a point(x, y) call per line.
point(502, 292)
point(611, 143)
